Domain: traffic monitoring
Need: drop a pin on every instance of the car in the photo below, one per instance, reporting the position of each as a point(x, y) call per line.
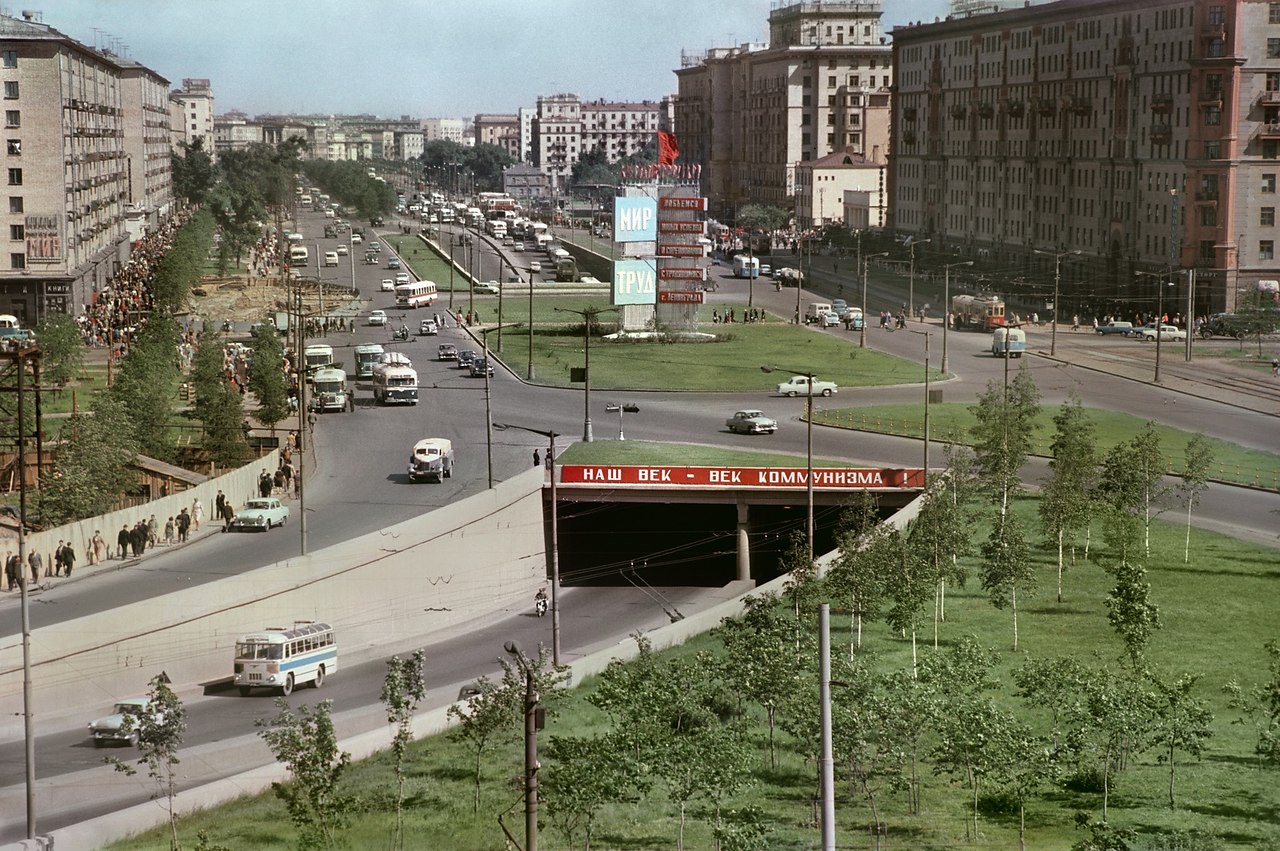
point(517, 246)
point(343, 250)
point(535, 266)
point(446, 351)
point(479, 366)
point(465, 357)
point(765, 269)
point(331, 258)
point(403, 278)
point(830, 319)
point(1224, 325)
point(506, 240)
point(122, 724)
point(427, 328)
point(260, 514)
point(799, 385)
point(486, 287)
point(751, 422)
point(1109, 328)
point(370, 257)
point(388, 285)
point(393, 262)
point(377, 317)
point(852, 318)
point(1147, 333)
point(356, 239)
point(375, 246)
point(431, 460)
point(839, 306)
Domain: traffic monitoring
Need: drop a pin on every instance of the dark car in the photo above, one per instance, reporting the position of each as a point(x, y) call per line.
point(480, 366)
point(1224, 325)
point(465, 358)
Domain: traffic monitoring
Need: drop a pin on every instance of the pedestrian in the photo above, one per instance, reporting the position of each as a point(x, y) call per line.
point(197, 513)
point(537, 459)
point(227, 514)
point(138, 538)
point(12, 570)
point(122, 541)
point(168, 530)
point(264, 484)
point(36, 562)
point(1275, 367)
point(68, 558)
point(99, 548)
point(153, 531)
point(184, 523)
point(279, 482)
point(218, 502)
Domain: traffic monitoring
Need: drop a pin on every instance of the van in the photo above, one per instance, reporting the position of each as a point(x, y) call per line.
point(331, 258)
point(1008, 342)
point(815, 311)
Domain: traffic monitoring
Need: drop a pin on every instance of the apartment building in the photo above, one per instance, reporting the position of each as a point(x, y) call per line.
point(502, 131)
point(1143, 133)
point(448, 129)
point(85, 142)
point(565, 127)
point(192, 114)
point(751, 114)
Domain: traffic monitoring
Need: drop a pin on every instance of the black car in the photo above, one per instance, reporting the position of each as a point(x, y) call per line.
point(1224, 325)
point(479, 366)
point(465, 358)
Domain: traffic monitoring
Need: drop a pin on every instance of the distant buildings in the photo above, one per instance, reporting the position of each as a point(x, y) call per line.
point(192, 114)
point(565, 128)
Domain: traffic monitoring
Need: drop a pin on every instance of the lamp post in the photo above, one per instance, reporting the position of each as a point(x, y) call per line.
point(911, 282)
point(946, 305)
point(862, 335)
point(529, 371)
point(588, 315)
point(555, 534)
point(620, 408)
point(808, 452)
point(530, 746)
point(926, 400)
point(1057, 278)
point(1161, 284)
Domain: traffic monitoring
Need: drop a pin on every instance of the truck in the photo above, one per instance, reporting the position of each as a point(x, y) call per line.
point(816, 312)
point(395, 385)
point(977, 312)
point(317, 356)
point(280, 319)
point(329, 390)
point(566, 269)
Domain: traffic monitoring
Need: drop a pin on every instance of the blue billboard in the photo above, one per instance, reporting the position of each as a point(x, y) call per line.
point(635, 219)
point(635, 282)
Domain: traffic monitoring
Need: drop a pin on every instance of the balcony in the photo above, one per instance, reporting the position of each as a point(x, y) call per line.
point(908, 137)
point(1211, 97)
point(1162, 103)
point(1161, 134)
point(1016, 108)
point(1214, 30)
point(1207, 196)
point(1271, 98)
point(1046, 108)
point(1080, 105)
point(959, 111)
point(909, 113)
point(1268, 131)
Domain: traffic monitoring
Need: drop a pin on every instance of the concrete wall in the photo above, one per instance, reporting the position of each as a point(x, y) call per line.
point(434, 572)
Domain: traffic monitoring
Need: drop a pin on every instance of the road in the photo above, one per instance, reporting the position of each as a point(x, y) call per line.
point(359, 485)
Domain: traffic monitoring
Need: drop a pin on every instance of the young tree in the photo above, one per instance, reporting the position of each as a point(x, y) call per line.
point(1024, 764)
point(1003, 432)
point(307, 744)
point(402, 688)
point(1131, 612)
point(1065, 501)
point(160, 732)
point(1181, 722)
point(855, 577)
point(1148, 466)
point(968, 747)
point(1006, 567)
point(1198, 460)
point(1111, 718)
point(909, 579)
point(1261, 704)
point(61, 349)
point(960, 486)
point(582, 776)
point(912, 707)
point(91, 464)
point(193, 173)
point(491, 715)
point(267, 379)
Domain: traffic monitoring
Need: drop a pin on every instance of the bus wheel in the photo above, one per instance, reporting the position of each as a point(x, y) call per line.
point(244, 691)
point(287, 688)
point(319, 680)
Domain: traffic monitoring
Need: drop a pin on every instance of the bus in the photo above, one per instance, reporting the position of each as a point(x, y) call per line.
point(282, 658)
point(329, 390)
point(318, 356)
point(298, 255)
point(366, 356)
point(395, 385)
point(416, 294)
point(746, 266)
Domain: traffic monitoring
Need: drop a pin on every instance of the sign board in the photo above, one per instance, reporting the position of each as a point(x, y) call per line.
point(775, 478)
point(679, 249)
point(681, 273)
point(669, 226)
point(44, 238)
point(635, 219)
point(680, 297)
point(634, 282)
point(684, 203)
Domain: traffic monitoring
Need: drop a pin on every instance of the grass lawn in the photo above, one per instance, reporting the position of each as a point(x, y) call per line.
point(1232, 463)
point(1215, 614)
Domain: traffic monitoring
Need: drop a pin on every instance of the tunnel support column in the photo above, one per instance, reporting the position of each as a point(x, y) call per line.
point(744, 540)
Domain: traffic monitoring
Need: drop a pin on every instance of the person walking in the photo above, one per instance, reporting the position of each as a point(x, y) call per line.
point(12, 569)
point(98, 550)
point(197, 513)
point(227, 514)
point(184, 523)
point(221, 499)
point(36, 562)
point(537, 458)
point(153, 531)
point(122, 541)
point(68, 558)
point(168, 531)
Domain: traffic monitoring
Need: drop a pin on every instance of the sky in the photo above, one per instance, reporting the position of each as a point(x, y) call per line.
point(420, 58)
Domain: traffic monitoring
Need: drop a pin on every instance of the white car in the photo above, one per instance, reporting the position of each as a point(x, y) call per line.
point(487, 287)
point(260, 514)
point(378, 317)
point(403, 278)
point(388, 285)
point(1168, 333)
point(356, 239)
point(122, 724)
point(343, 250)
point(751, 422)
point(535, 266)
point(798, 385)
point(519, 246)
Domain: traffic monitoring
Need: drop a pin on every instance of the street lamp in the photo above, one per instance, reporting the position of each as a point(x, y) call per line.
point(620, 408)
point(926, 400)
point(555, 534)
point(588, 315)
point(531, 726)
point(946, 305)
point(1057, 277)
point(911, 282)
point(1160, 277)
point(862, 335)
point(808, 450)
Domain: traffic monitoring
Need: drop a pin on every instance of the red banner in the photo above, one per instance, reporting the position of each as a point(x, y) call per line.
point(680, 296)
point(681, 273)
point(682, 203)
point(668, 226)
point(783, 478)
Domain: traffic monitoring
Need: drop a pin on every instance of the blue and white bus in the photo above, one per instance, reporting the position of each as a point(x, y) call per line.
point(282, 658)
point(746, 266)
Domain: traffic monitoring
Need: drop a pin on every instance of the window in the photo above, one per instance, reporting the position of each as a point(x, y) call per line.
point(12, 118)
point(1270, 149)
point(1268, 183)
point(1267, 217)
point(15, 177)
point(1207, 255)
point(1217, 15)
point(831, 81)
point(15, 204)
point(17, 232)
point(17, 261)
point(1273, 13)
point(1273, 48)
point(1266, 250)
point(15, 147)
point(1212, 150)
point(11, 89)
point(1212, 116)
point(11, 59)
point(1208, 216)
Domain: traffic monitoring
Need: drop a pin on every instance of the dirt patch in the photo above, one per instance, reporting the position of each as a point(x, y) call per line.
point(241, 299)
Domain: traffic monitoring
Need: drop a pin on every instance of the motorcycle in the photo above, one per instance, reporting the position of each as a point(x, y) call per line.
point(401, 333)
point(540, 606)
point(226, 326)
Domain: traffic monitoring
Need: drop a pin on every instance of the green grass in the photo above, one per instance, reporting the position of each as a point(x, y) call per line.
point(1232, 462)
point(1215, 614)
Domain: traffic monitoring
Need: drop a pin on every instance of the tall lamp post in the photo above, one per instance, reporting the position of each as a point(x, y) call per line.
point(946, 305)
point(926, 400)
point(1057, 279)
point(808, 417)
point(1160, 285)
point(911, 282)
point(555, 533)
point(866, 259)
point(588, 315)
point(530, 746)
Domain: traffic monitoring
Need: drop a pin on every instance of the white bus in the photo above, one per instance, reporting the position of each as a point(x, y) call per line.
point(298, 255)
point(329, 390)
point(367, 355)
point(283, 658)
point(395, 385)
point(746, 266)
point(318, 356)
point(416, 294)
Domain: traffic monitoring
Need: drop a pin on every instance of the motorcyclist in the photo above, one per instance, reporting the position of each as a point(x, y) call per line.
point(540, 601)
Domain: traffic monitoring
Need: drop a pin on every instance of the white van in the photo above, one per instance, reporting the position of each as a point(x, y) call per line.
point(816, 311)
point(331, 258)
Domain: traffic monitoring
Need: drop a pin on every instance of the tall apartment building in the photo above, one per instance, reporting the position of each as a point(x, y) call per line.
point(192, 113)
point(565, 128)
point(84, 158)
point(1143, 133)
point(750, 114)
point(449, 129)
point(502, 131)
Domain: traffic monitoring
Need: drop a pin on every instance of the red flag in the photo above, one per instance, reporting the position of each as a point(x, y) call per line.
point(668, 148)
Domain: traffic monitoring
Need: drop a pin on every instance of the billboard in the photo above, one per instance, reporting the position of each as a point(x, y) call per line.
point(634, 282)
point(635, 219)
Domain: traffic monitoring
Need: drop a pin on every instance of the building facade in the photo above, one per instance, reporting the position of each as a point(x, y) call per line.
point(502, 131)
point(564, 128)
point(1145, 135)
point(750, 114)
point(148, 150)
point(448, 129)
point(821, 185)
point(192, 114)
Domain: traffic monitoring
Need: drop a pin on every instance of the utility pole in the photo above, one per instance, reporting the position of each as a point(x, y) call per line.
point(588, 315)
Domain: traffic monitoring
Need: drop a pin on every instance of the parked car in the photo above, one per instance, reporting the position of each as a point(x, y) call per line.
point(377, 317)
point(1147, 333)
point(798, 385)
point(260, 514)
point(479, 366)
point(1108, 328)
point(122, 724)
point(465, 358)
point(447, 351)
point(431, 460)
point(751, 422)
point(427, 328)
point(388, 285)
point(487, 287)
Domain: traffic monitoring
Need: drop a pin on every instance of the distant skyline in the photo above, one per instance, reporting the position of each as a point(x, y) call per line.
point(421, 58)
